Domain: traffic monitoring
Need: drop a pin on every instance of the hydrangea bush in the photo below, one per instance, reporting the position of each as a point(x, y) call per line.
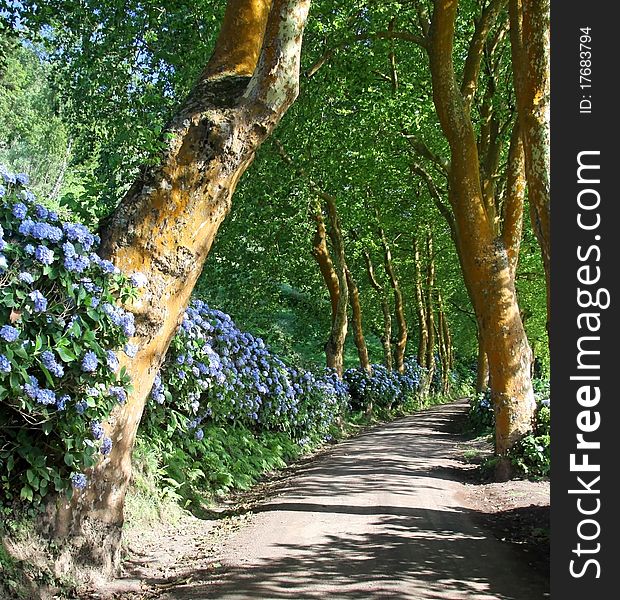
point(383, 388)
point(532, 454)
point(60, 325)
point(214, 373)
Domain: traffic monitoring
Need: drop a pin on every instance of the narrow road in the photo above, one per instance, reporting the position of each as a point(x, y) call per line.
point(379, 517)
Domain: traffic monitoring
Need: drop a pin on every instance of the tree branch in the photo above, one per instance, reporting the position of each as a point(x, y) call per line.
point(424, 151)
point(404, 35)
point(471, 70)
point(442, 207)
point(274, 86)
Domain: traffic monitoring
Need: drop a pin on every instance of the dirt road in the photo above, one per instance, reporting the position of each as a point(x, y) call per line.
point(380, 516)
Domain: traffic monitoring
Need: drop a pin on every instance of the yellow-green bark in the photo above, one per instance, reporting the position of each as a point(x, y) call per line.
point(358, 327)
point(529, 37)
point(399, 307)
point(385, 309)
point(483, 255)
point(166, 224)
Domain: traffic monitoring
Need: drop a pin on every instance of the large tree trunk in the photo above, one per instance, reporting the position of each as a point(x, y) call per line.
point(429, 309)
point(399, 307)
point(385, 309)
point(420, 307)
point(529, 38)
point(484, 256)
point(165, 225)
point(358, 329)
point(335, 345)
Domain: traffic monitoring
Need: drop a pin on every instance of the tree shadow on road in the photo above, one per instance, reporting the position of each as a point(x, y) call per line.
point(411, 550)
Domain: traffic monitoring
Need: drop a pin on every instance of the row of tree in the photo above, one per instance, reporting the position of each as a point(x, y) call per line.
point(410, 114)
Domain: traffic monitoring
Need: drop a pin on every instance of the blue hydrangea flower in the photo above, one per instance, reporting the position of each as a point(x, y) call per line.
point(9, 333)
point(76, 232)
point(48, 359)
point(61, 403)
point(29, 249)
point(45, 396)
point(76, 264)
point(97, 430)
point(79, 481)
point(26, 278)
point(81, 406)
point(89, 362)
point(44, 255)
point(130, 350)
point(41, 212)
point(128, 324)
point(5, 364)
point(8, 177)
point(199, 434)
point(106, 446)
point(106, 266)
point(22, 178)
point(19, 210)
point(40, 301)
point(69, 249)
point(119, 393)
point(112, 361)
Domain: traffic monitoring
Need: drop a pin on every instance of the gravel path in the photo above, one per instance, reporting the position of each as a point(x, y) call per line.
point(380, 516)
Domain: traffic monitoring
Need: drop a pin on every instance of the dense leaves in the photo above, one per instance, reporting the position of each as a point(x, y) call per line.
point(60, 328)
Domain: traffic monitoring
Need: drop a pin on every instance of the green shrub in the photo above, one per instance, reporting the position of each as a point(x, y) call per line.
point(59, 327)
point(532, 454)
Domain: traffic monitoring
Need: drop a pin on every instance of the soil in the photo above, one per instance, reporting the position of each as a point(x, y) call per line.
point(402, 511)
point(517, 512)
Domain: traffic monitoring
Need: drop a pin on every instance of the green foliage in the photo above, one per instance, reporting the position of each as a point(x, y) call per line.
point(382, 388)
point(532, 454)
point(33, 137)
point(59, 327)
point(232, 457)
point(481, 417)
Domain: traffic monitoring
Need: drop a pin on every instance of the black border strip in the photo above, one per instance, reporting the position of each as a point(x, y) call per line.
point(574, 130)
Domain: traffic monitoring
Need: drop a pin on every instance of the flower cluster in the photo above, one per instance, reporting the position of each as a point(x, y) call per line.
point(60, 325)
point(216, 373)
point(383, 388)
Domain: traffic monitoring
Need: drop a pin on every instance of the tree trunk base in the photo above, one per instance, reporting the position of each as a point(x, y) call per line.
point(85, 548)
point(504, 470)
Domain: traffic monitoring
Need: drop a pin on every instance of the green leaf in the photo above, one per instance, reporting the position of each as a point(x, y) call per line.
point(26, 493)
point(65, 354)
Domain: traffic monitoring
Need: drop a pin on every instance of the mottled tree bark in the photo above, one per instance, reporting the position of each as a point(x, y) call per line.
point(399, 307)
point(165, 225)
point(358, 329)
point(430, 308)
point(483, 254)
point(334, 348)
point(420, 307)
point(529, 38)
point(386, 337)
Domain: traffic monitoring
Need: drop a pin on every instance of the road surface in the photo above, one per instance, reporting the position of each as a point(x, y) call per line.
point(380, 516)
